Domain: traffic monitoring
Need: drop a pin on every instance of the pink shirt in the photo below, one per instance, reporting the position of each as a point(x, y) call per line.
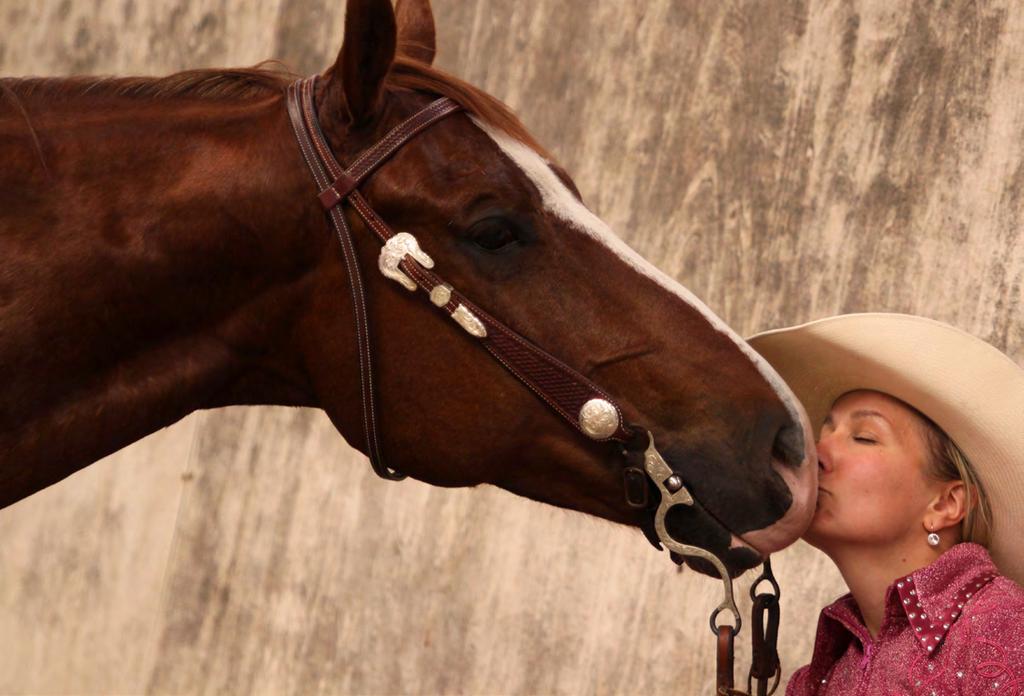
point(953, 627)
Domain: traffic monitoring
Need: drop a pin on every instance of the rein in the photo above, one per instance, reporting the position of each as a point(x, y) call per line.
point(584, 405)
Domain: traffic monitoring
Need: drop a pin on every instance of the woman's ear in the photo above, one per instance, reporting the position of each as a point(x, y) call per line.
point(366, 56)
point(416, 35)
point(949, 507)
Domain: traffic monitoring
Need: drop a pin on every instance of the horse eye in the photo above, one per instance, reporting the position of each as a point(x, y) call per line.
point(494, 234)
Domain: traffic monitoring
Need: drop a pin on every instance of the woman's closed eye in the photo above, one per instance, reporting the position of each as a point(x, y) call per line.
point(866, 439)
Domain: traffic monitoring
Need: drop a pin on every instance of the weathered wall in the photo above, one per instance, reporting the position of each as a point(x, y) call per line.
point(786, 160)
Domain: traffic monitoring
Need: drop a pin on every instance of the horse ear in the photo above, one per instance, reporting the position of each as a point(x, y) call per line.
point(416, 36)
point(366, 56)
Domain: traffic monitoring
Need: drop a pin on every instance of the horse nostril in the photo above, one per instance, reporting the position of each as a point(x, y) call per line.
point(788, 447)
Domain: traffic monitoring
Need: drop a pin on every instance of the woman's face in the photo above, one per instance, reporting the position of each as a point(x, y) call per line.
point(872, 454)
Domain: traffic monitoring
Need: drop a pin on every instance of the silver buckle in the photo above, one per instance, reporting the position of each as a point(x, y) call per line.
point(392, 254)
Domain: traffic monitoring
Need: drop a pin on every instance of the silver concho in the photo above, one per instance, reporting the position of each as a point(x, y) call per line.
point(394, 251)
point(440, 295)
point(599, 419)
point(467, 320)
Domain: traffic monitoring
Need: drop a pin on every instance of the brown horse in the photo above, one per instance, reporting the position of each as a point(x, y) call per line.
point(163, 251)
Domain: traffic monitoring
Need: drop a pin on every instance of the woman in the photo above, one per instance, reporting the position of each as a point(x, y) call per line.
point(920, 506)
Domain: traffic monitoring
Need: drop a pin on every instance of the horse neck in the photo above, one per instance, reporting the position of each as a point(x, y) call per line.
point(153, 267)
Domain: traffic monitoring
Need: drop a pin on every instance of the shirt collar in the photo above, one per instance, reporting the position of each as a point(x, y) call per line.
point(933, 597)
point(930, 599)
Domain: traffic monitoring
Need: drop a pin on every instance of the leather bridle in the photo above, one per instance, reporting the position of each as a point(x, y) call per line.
point(585, 406)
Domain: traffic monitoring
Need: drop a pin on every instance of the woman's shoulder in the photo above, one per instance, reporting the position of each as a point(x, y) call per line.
point(1001, 598)
point(994, 611)
point(965, 582)
point(989, 645)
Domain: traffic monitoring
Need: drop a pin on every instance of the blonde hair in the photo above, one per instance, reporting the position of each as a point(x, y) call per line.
point(947, 462)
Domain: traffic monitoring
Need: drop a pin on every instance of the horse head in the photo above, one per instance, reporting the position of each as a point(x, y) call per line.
point(509, 229)
point(165, 250)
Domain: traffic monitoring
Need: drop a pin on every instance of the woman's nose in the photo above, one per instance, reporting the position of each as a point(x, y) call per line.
point(824, 455)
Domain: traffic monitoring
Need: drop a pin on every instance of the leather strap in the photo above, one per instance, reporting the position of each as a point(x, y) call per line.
point(765, 668)
point(346, 181)
point(338, 223)
point(764, 660)
point(563, 389)
point(724, 681)
point(558, 385)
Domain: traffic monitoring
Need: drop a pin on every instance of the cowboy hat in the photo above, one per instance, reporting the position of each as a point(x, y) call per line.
point(968, 388)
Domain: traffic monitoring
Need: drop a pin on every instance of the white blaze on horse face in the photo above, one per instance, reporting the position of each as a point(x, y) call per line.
point(561, 202)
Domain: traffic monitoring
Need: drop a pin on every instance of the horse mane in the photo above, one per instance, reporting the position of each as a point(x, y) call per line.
point(211, 83)
point(267, 79)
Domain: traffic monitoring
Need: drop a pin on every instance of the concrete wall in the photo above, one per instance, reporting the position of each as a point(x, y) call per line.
point(784, 159)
